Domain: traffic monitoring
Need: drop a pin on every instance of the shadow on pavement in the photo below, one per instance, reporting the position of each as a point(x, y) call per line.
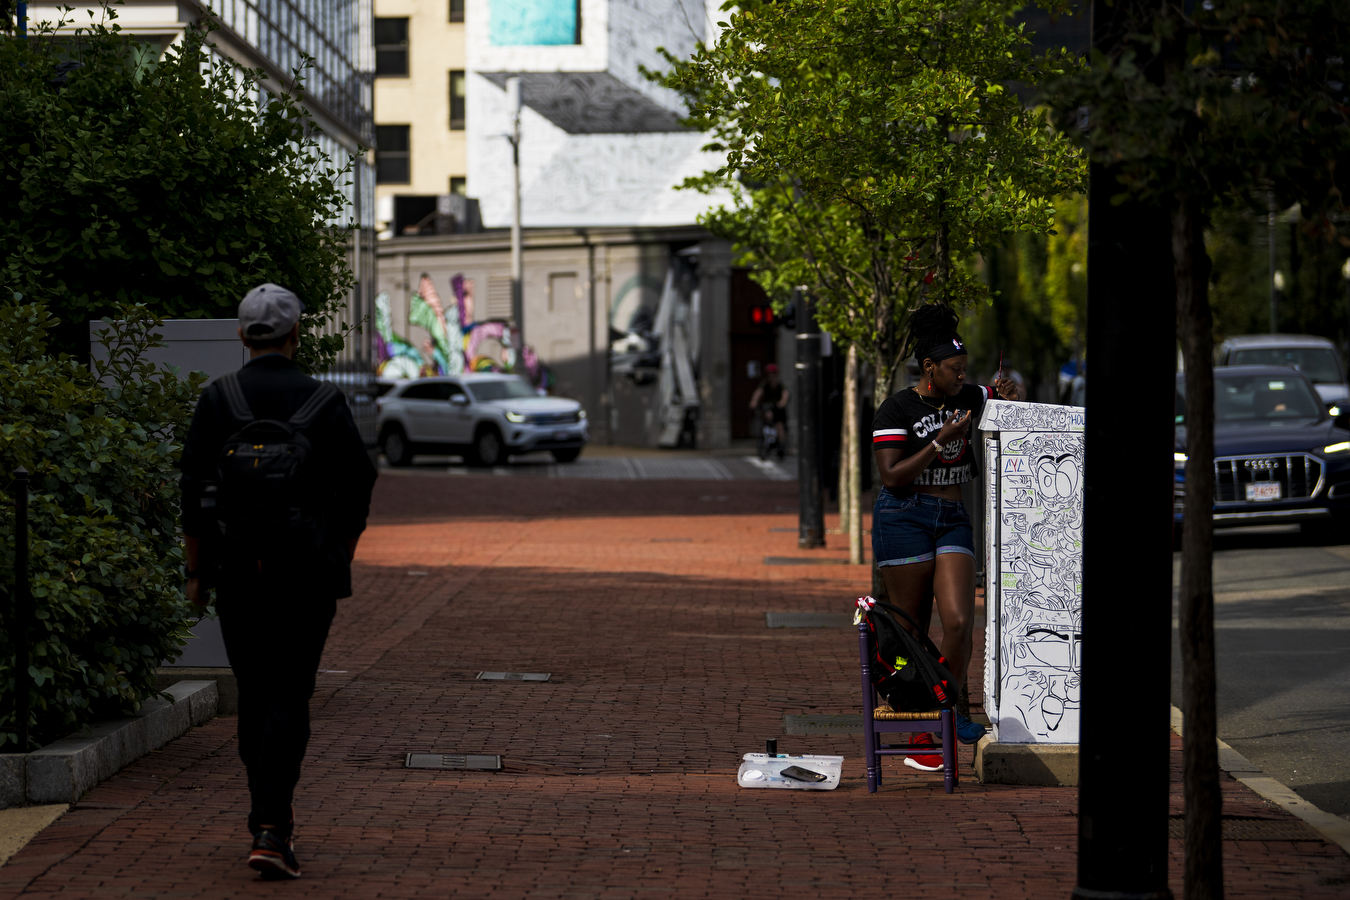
point(435, 497)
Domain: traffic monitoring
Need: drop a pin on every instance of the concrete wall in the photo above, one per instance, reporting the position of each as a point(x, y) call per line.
point(600, 145)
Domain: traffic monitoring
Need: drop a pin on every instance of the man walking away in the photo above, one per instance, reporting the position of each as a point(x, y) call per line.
point(276, 488)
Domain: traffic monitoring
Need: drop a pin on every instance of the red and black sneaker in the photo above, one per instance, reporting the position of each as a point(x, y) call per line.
point(928, 762)
point(272, 857)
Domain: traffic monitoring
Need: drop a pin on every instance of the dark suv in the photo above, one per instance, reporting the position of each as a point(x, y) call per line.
point(1279, 457)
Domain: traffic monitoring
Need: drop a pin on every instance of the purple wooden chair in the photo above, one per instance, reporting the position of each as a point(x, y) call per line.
point(878, 722)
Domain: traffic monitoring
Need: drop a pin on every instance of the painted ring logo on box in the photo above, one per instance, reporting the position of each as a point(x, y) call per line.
point(1261, 464)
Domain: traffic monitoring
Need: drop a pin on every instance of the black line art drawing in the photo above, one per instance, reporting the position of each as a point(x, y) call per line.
point(1035, 544)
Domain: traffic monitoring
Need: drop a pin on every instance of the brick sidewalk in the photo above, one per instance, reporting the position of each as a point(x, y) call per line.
point(646, 601)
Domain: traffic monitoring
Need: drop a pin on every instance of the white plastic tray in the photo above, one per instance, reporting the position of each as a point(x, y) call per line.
point(762, 771)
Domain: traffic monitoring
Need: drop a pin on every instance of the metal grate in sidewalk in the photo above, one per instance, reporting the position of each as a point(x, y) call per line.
point(482, 761)
point(1239, 829)
point(808, 620)
point(804, 561)
point(850, 723)
point(515, 676)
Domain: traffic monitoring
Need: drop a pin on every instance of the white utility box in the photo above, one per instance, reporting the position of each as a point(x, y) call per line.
point(1033, 458)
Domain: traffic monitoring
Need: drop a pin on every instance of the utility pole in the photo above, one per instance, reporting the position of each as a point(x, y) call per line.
point(517, 265)
point(1274, 288)
point(811, 521)
point(23, 607)
point(1123, 784)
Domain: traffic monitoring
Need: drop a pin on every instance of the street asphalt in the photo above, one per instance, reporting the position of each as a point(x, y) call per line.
point(1282, 634)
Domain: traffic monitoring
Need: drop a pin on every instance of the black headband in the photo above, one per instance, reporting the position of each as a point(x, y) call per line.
point(945, 350)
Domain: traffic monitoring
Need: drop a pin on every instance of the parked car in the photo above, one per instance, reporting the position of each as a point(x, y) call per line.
point(481, 416)
point(1315, 357)
point(1279, 457)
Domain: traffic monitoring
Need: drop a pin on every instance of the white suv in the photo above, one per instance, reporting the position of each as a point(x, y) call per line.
point(480, 416)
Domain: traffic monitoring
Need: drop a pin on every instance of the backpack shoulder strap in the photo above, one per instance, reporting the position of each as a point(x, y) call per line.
point(895, 609)
point(310, 409)
point(921, 638)
point(234, 397)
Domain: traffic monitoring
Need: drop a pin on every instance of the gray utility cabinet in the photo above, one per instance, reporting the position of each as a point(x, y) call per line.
point(1033, 545)
point(194, 345)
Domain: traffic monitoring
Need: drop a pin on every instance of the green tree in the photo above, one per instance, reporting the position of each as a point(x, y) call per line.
point(1313, 300)
point(178, 183)
point(106, 565)
point(1203, 107)
point(871, 147)
point(1037, 312)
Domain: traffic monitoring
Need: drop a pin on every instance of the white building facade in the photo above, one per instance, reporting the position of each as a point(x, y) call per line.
point(600, 144)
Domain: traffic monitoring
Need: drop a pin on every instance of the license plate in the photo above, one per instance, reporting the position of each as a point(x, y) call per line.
point(562, 436)
point(1263, 490)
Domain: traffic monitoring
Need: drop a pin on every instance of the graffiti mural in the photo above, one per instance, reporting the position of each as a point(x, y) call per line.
point(455, 343)
point(1035, 542)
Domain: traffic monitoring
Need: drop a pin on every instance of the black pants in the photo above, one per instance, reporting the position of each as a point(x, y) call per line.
point(274, 644)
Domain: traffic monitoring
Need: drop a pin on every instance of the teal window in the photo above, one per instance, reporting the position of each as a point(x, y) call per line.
point(534, 23)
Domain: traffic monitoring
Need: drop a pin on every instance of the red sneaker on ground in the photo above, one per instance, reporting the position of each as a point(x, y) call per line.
point(928, 762)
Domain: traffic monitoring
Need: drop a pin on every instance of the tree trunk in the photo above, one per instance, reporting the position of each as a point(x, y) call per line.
point(1203, 802)
point(845, 485)
point(855, 546)
point(883, 373)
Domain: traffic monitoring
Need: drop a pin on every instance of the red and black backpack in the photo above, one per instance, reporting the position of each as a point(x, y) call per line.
point(910, 672)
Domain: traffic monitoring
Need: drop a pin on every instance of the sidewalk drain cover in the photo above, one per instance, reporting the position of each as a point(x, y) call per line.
point(842, 724)
point(1254, 830)
point(808, 620)
point(803, 561)
point(515, 676)
point(490, 762)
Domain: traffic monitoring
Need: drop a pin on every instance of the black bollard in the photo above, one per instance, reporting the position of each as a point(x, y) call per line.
point(811, 519)
point(23, 606)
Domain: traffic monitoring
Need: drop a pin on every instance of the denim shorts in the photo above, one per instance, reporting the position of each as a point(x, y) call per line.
point(917, 528)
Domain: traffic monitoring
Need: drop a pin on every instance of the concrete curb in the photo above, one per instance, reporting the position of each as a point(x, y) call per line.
point(227, 686)
point(1041, 765)
point(61, 772)
point(1332, 827)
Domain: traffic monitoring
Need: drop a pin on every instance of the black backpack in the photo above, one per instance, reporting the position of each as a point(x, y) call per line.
point(909, 672)
point(266, 501)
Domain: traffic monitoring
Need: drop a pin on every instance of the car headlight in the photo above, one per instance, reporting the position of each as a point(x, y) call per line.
point(1334, 412)
point(1342, 447)
point(1180, 458)
point(581, 415)
point(515, 417)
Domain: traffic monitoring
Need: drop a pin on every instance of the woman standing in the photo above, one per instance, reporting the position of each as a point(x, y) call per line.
point(921, 535)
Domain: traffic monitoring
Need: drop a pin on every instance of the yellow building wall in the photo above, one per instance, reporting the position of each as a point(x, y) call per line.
point(422, 99)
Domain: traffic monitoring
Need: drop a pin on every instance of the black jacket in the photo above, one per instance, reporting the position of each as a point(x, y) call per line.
point(275, 388)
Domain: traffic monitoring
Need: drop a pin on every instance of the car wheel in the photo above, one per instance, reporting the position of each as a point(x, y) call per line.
point(566, 456)
point(487, 448)
point(396, 448)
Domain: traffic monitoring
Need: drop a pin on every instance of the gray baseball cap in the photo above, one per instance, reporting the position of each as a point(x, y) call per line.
point(269, 311)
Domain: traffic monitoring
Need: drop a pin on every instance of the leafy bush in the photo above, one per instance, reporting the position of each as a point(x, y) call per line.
point(177, 182)
point(105, 557)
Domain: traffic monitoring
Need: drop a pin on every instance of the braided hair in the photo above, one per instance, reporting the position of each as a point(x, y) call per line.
point(930, 326)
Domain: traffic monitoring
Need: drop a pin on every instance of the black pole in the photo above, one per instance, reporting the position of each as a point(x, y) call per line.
point(811, 525)
point(1127, 516)
point(23, 606)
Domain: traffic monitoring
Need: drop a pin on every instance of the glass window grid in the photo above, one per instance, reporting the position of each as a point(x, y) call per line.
point(334, 32)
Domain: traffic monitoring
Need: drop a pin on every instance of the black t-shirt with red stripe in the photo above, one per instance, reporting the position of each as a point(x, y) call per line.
point(909, 422)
